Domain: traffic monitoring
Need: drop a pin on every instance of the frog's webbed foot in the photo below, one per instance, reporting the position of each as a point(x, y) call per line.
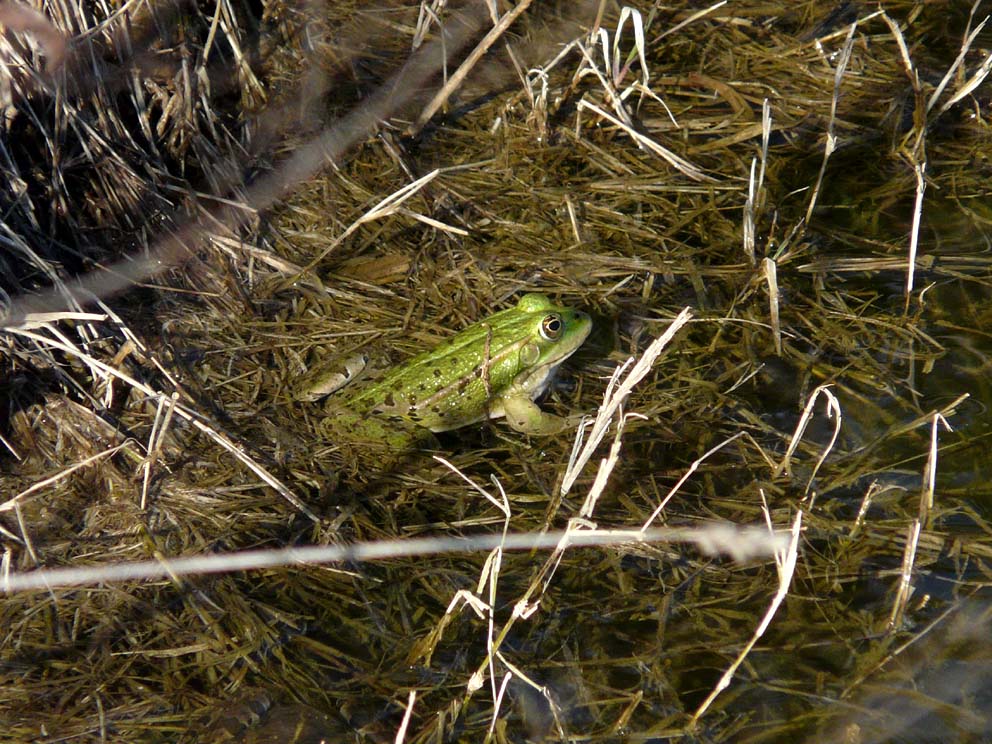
point(330, 376)
point(524, 415)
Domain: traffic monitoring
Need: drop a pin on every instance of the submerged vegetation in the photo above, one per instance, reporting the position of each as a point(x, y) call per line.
point(781, 210)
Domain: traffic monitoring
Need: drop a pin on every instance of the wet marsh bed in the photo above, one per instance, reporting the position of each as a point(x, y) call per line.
point(768, 166)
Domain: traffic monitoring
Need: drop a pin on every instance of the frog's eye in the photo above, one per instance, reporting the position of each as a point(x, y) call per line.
point(551, 327)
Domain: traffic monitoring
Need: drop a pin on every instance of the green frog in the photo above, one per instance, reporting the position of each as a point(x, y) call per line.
point(492, 369)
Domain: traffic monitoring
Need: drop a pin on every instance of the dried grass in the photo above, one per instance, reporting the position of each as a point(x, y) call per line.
point(202, 202)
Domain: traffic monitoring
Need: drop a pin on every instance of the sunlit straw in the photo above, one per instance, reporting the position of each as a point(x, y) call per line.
point(742, 543)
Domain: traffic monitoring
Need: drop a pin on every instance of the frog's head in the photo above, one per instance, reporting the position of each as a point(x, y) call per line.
point(552, 332)
point(556, 332)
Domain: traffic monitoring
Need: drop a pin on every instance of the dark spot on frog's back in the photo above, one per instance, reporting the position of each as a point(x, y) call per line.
point(389, 401)
point(437, 372)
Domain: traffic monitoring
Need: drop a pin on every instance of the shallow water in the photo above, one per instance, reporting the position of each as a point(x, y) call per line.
point(616, 644)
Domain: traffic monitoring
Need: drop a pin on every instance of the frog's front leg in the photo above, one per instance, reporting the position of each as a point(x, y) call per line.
point(524, 415)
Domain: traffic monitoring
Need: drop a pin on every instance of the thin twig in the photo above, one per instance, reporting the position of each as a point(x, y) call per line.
point(785, 563)
point(459, 75)
point(831, 143)
point(724, 539)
